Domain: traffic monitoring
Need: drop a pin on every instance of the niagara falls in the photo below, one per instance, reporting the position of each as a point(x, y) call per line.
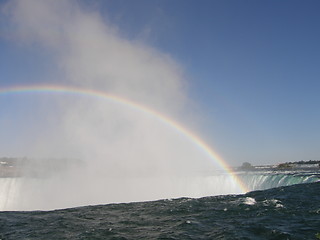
point(159, 119)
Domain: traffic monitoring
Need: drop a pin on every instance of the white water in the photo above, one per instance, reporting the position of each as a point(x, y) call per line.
point(266, 180)
point(55, 193)
point(27, 193)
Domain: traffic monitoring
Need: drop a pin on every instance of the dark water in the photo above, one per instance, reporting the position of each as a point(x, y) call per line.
point(291, 212)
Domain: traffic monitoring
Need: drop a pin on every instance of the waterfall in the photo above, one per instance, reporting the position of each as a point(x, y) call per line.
point(266, 180)
point(31, 193)
point(39, 193)
point(9, 192)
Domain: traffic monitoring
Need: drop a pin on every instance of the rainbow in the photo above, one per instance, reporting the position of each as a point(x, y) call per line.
point(116, 99)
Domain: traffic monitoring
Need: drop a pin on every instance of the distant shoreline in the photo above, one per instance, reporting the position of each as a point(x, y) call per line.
point(11, 167)
point(27, 167)
point(312, 165)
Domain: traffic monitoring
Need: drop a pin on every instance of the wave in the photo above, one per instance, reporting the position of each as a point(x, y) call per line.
point(290, 212)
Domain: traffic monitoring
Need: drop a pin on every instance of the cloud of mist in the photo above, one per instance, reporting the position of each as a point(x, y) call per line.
point(92, 53)
point(127, 155)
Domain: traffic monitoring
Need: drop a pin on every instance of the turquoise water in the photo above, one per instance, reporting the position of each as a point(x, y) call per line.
point(257, 180)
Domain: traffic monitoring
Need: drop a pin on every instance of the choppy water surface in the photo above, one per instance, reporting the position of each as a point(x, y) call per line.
point(291, 212)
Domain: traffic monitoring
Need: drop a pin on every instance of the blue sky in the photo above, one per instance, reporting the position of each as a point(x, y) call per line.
point(252, 67)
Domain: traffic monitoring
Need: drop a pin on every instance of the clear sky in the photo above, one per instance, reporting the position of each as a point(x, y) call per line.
point(252, 68)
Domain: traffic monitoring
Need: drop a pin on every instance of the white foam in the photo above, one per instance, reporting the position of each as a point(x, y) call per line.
point(249, 201)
